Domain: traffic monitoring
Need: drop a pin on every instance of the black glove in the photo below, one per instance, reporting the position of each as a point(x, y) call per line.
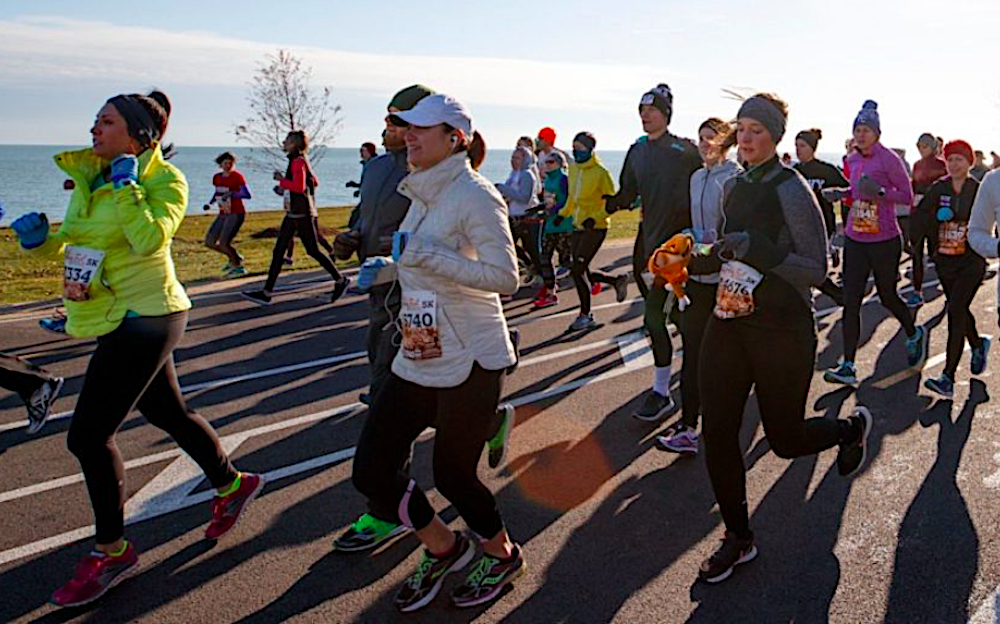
point(558, 220)
point(734, 246)
point(609, 207)
point(835, 194)
point(589, 224)
point(352, 184)
point(869, 189)
point(278, 190)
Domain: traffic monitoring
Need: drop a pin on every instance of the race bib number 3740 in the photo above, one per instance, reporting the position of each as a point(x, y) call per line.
point(418, 316)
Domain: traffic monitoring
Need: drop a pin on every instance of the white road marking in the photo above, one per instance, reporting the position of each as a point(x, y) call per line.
point(635, 351)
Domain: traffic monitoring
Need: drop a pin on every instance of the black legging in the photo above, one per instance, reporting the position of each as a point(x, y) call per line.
point(960, 286)
point(694, 321)
point(585, 245)
point(464, 419)
point(325, 244)
point(860, 261)
point(639, 260)
point(528, 232)
point(737, 357)
point(133, 366)
point(552, 242)
point(21, 377)
point(305, 227)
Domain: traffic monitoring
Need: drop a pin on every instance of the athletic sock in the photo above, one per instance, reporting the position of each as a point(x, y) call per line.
point(661, 381)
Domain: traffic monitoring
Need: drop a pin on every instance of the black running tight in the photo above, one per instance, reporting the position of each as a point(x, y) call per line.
point(585, 245)
point(860, 261)
point(305, 227)
point(133, 366)
point(960, 287)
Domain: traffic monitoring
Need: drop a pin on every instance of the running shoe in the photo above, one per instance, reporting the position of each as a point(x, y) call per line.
point(365, 398)
point(916, 348)
point(545, 299)
point(55, 324)
point(227, 510)
point(257, 296)
point(239, 271)
point(682, 440)
point(562, 272)
point(95, 575)
point(596, 288)
point(367, 533)
point(536, 281)
point(338, 289)
point(851, 456)
point(654, 407)
point(497, 445)
point(733, 551)
point(990, 274)
point(40, 404)
point(424, 584)
point(582, 322)
point(621, 288)
point(843, 373)
point(943, 385)
point(981, 356)
point(288, 261)
point(488, 578)
point(914, 300)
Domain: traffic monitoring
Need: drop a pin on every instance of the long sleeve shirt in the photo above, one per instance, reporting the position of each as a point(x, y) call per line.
point(873, 220)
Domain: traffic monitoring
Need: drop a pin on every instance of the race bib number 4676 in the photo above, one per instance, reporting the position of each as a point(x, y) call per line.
point(418, 316)
point(734, 297)
point(80, 267)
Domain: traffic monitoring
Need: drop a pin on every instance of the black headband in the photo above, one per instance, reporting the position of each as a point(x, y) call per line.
point(141, 125)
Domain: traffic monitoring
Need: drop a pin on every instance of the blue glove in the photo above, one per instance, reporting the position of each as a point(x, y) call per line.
point(124, 169)
point(2, 209)
point(32, 229)
point(368, 274)
point(399, 240)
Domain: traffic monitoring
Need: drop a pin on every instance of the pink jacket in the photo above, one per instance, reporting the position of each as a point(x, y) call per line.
point(884, 167)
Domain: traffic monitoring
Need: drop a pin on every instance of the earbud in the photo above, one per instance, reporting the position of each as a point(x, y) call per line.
point(454, 140)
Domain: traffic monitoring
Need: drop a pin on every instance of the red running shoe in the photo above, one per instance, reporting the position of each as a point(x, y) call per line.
point(546, 298)
point(596, 289)
point(226, 510)
point(95, 575)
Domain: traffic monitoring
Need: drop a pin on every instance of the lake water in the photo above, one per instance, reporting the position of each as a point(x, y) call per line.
point(31, 182)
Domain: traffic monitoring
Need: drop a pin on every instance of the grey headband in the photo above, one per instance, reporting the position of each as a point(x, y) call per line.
point(763, 110)
point(140, 123)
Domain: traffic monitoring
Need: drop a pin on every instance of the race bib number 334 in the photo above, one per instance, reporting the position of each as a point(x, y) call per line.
point(418, 316)
point(80, 268)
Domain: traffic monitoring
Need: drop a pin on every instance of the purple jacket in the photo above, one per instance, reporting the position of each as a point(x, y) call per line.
point(886, 168)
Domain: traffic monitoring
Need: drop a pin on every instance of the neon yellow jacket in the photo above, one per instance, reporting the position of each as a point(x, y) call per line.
point(133, 226)
point(588, 184)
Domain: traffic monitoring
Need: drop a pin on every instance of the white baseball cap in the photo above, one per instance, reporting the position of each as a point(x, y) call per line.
point(438, 109)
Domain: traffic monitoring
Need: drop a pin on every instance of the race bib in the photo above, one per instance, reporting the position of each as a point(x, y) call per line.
point(80, 267)
point(734, 297)
point(952, 237)
point(223, 199)
point(418, 314)
point(287, 196)
point(866, 217)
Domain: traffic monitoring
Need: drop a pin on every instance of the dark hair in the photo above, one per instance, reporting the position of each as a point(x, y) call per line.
point(301, 141)
point(146, 117)
point(476, 149)
point(224, 156)
point(817, 132)
point(722, 129)
point(368, 145)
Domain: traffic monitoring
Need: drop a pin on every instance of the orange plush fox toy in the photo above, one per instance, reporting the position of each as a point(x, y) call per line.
point(670, 262)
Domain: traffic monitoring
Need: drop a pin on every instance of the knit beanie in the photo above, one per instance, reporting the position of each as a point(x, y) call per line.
point(868, 116)
point(959, 147)
point(408, 97)
point(587, 139)
point(811, 137)
point(548, 135)
point(661, 98)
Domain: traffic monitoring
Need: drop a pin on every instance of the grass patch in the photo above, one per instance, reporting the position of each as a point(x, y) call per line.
point(24, 278)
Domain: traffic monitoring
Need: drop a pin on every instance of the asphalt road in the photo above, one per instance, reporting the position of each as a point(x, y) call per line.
point(612, 529)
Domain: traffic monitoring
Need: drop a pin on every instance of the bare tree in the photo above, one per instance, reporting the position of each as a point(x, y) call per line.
point(282, 98)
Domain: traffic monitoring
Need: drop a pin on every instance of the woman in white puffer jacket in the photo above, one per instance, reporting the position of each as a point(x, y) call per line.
point(452, 257)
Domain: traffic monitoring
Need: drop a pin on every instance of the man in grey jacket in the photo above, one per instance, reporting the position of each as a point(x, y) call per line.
point(373, 223)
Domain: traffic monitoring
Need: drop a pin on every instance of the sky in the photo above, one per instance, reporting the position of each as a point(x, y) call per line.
point(580, 65)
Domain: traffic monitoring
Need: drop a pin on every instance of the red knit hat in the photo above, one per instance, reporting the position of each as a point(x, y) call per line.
point(548, 135)
point(961, 148)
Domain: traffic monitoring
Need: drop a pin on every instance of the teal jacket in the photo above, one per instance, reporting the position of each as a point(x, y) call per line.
point(557, 186)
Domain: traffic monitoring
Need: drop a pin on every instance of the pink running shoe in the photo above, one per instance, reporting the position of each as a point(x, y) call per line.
point(95, 575)
point(226, 510)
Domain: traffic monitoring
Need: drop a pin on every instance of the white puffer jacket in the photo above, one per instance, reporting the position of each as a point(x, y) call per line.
point(461, 248)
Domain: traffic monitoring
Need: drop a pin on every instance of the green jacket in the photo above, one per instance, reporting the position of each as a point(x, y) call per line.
point(133, 226)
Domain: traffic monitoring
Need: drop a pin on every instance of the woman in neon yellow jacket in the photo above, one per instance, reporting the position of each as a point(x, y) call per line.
point(120, 287)
point(589, 185)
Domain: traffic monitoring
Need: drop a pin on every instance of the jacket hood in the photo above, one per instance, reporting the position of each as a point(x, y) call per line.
point(528, 159)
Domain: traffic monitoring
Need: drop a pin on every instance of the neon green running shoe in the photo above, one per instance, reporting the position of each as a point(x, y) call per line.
point(497, 445)
point(366, 533)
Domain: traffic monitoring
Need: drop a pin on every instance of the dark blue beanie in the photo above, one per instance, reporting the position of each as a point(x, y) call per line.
point(868, 116)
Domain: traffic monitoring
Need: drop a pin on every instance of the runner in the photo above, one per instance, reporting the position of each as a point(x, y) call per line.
point(762, 335)
point(979, 168)
point(367, 152)
point(297, 185)
point(589, 184)
point(873, 245)
point(452, 256)
point(821, 175)
point(554, 237)
point(120, 287)
point(930, 168)
point(37, 387)
point(985, 218)
point(520, 191)
point(230, 191)
point(545, 147)
point(715, 138)
point(942, 217)
point(658, 169)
